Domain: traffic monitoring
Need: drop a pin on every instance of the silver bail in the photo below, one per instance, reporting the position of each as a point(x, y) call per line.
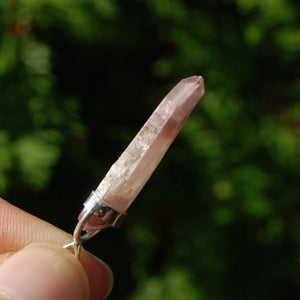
point(102, 210)
point(97, 209)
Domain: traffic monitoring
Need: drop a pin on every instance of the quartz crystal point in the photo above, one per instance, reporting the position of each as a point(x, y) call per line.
point(131, 171)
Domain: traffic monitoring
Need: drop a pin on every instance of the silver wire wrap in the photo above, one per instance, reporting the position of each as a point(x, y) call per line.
point(94, 206)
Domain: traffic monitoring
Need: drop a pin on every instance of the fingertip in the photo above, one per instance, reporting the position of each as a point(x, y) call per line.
point(99, 274)
point(43, 272)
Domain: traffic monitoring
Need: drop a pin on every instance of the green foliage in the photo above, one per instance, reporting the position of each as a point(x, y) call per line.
point(77, 80)
point(176, 284)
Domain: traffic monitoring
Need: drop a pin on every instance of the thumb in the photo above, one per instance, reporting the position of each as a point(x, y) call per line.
point(43, 272)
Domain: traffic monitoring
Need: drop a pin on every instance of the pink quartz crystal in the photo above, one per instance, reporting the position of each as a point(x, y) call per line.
point(131, 171)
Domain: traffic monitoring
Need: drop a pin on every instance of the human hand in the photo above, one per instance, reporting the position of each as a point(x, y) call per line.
point(34, 266)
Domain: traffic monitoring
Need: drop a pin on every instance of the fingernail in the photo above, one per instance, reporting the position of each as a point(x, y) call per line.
point(5, 256)
point(43, 272)
point(4, 296)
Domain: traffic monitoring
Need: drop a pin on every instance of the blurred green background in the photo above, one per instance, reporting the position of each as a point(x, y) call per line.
point(220, 218)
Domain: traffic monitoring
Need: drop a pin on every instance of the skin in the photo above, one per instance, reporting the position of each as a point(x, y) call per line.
point(33, 264)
